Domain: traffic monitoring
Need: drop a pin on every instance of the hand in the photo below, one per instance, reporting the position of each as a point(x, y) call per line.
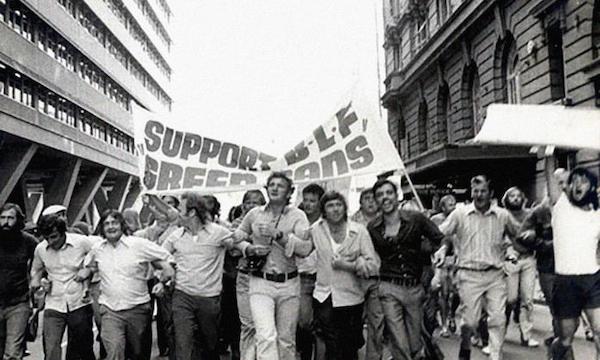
point(158, 289)
point(257, 250)
point(83, 274)
point(340, 262)
point(528, 235)
point(439, 257)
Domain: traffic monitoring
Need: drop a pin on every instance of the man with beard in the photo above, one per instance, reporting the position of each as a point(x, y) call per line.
point(521, 272)
point(307, 267)
point(576, 231)
point(16, 250)
point(398, 236)
point(61, 256)
point(481, 249)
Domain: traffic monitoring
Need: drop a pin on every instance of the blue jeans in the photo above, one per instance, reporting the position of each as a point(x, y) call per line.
point(13, 323)
point(196, 315)
point(275, 308)
point(126, 329)
point(81, 337)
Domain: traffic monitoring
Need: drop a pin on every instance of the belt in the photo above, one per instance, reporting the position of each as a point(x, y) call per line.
point(400, 281)
point(489, 268)
point(308, 276)
point(275, 277)
point(243, 271)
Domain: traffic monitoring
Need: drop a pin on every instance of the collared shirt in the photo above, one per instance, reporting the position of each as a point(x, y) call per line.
point(481, 238)
point(576, 234)
point(345, 287)
point(401, 255)
point(199, 259)
point(291, 221)
point(123, 270)
point(62, 266)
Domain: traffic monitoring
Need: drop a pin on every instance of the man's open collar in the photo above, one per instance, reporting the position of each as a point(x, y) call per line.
point(266, 207)
point(470, 208)
point(68, 242)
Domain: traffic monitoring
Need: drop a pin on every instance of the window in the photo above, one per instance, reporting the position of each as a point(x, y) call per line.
point(471, 100)
point(477, 116)
point(443, 111)
point(444, 8)
point(513, 81)
point(397, 55)
point(596, 30)
point(3, 79)
point(556, 59)
point(2, 10)
point(422, 128)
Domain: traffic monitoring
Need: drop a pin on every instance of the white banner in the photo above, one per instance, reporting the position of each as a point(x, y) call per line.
point(531, 125)
point(347, 145)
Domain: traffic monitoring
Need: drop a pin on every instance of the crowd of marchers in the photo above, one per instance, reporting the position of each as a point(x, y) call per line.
point(276, 281)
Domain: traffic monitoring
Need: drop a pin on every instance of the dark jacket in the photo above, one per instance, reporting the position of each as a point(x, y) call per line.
point(540, 220)
point(15, 257)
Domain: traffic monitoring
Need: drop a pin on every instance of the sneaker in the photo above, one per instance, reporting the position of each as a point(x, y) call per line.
point(486, 350)
point(530, 342)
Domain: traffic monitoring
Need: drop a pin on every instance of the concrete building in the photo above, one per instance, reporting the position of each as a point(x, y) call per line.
point(70, 71)
point(447, 60)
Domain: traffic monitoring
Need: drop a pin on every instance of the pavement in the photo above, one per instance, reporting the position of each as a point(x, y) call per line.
point(512, 348)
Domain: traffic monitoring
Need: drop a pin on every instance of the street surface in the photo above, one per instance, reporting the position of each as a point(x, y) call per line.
point(584, 350)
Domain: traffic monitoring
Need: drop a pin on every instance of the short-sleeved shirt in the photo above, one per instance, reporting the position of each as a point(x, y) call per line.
point(199, 259)
point(481, 238)
point(62, 266)
point(123, 270)
point(576, 234)
point(291, 221)
point(401, 254)
point(15, 255)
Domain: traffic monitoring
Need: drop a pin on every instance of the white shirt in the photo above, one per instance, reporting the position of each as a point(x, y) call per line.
point(576, 234)
point(123, 270)
point(62, 265)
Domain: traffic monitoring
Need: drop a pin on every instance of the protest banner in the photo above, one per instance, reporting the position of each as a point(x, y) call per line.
point(349, 144)
point(532, 125)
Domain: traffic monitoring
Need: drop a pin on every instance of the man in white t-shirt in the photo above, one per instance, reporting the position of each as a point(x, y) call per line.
point(576, 232)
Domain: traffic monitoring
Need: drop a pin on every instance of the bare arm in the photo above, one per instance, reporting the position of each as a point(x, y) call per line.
point(552, 185)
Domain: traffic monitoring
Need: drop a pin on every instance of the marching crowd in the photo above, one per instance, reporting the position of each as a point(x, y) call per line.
point(275, 281)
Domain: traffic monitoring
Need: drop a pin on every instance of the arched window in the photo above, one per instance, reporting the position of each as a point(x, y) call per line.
point(422, 136)
point(443, 114)
point(470, 103)
point(513, 75)
point(476, 110)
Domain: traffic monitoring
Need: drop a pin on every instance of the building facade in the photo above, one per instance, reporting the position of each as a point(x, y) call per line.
point(447, 60)
point(70, 72)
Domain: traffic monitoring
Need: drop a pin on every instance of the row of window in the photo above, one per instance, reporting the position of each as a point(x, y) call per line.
point(28, 25)
point(136, 32)
point(153, 20)
point(94, 26)
point(29, 93)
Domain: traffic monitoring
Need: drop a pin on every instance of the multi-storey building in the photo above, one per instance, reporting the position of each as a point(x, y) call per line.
point(70, 71)
point(447, 60)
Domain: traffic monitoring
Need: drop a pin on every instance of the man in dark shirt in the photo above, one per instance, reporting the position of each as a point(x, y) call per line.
point(16, 251)
point(397, 236)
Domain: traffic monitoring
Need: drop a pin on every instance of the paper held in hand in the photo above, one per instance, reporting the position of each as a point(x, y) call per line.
point(531, 125)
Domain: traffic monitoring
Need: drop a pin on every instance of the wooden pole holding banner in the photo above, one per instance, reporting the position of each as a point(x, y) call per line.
point(412, 188)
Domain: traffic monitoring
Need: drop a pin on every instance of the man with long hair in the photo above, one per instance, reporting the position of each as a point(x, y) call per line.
point(16, 250)
point(122, 263)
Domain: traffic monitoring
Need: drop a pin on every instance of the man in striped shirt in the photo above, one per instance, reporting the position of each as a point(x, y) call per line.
point(481, 246)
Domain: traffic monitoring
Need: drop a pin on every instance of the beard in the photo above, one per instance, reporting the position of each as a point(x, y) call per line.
point(10, 237)
point(584, 201)
point(513, 206)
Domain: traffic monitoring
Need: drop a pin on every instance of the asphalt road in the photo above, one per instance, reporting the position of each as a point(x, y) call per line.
point(512, 348)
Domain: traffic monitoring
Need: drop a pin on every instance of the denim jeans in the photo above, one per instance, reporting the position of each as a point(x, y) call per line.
point(275, 307)
point(521, 285)
point(79, 327)
point(340, 328)
point(229, 327)
point(247, 330)
point(196, 315)
point(403, 313)
point(126, 329)
point(13, 322)
point(473, 288)
point(375, 321)
point(164, 323)
point(304, 337)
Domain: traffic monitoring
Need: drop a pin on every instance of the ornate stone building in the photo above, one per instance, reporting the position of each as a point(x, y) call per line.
point(447, 60)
